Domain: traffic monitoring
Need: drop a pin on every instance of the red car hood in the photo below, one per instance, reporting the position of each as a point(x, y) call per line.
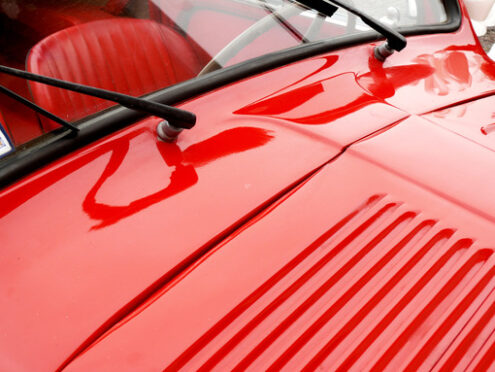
point(390, 268)
point(395, 270)
point(89, 238)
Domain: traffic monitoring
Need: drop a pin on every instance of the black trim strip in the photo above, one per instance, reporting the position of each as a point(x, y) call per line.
point(60, 142)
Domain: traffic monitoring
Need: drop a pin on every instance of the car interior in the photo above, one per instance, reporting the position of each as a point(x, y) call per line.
point(83, 42)
point(127, 46)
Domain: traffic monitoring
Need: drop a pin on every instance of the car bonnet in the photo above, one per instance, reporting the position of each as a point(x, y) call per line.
point(89, 238)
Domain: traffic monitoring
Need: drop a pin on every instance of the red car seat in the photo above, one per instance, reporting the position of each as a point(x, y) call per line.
point(132, 56)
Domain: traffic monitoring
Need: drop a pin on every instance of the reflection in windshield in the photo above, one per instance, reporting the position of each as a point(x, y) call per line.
point(398, 13)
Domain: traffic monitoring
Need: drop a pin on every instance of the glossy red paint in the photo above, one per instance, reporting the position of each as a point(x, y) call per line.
point(122, 228)
point(321, 215)
point(386, 275)
point(473, 120)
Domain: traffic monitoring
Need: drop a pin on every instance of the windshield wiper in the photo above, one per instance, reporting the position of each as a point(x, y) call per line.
point(283, 22)
point(180, 119)
point(395, 41)
point(38, 109)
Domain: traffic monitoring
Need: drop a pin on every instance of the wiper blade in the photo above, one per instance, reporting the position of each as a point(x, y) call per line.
point(177, 117)
point(283, 22)
point(324, 7)
point(37, 108)
point(395, 41)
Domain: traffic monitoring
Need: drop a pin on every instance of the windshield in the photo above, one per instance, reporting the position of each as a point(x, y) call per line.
point(137, 47)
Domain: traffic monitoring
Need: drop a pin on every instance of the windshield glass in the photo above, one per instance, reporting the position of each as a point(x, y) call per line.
point(140, 46)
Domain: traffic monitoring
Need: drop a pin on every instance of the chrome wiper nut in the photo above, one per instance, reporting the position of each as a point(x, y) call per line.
point(383, 51)
point(167, 132)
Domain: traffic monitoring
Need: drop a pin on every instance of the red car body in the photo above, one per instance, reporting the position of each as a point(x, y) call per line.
point(334, 213)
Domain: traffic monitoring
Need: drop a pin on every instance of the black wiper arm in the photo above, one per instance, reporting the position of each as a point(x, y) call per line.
point(37, 108)
point(395, 41)
point(177, 117)
point(321, 6)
